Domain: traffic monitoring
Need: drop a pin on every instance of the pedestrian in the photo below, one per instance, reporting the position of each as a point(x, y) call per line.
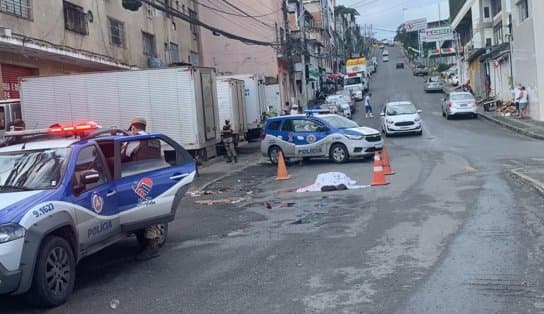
point(516, 92)
point(227, 134)
point(151, 233)
point(523, 103)
point(368, 106)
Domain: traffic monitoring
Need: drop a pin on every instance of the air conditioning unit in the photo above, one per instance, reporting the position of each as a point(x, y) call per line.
point(5, 32)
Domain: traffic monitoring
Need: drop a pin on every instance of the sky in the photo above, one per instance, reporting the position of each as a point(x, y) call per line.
point(386, 15)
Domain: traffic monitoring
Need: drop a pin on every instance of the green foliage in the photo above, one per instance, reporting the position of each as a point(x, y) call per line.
point(442, 67)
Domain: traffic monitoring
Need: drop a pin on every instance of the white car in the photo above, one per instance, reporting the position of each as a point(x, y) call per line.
point(385, 59)
point(459, 104)
point(401, 117)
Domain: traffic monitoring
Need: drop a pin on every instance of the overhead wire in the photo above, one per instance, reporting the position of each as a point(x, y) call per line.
point(235, 14)
point(251, 24)
point(245, 13)
point(195, 21)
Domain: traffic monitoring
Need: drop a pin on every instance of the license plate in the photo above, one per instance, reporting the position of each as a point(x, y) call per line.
point(463, 105)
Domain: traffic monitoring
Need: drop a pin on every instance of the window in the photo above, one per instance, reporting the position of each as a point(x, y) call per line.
point(486, 12)
point(117, 32)
point(75, 19)
point(194, 58)
point(88, 161)
point(146, 155)
point(496, 6)
point(149, 44)
point(498, 34)
point(305, 126)
point(173, 52)
point(274, 125)
point(194, 27)
point(488, 42)
point(21, 8)
point(2, 119)
point(523, 8)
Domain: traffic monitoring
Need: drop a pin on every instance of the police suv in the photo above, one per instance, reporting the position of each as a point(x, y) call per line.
point(68, 192)
point(318, 135)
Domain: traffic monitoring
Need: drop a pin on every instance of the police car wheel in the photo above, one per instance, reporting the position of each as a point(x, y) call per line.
point(273, 154)
point(339, 153)
point(55, 272)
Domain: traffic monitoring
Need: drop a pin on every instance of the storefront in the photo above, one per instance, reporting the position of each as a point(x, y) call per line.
point(11, 76)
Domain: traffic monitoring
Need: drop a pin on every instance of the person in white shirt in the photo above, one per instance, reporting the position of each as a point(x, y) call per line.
point(516, 92)
point(368, 106)
point(523, 102)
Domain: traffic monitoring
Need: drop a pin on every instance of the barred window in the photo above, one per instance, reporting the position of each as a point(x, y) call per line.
point(149, 44)
point(75, 19)
point(21, 8)
point(173, 52)
point(117, 32)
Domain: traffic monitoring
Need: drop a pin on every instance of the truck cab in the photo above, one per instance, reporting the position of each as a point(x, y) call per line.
point(10, 112)
point(357, 84)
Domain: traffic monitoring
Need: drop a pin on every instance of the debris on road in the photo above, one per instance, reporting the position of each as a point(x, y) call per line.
point(222, 201)
point(332, 181)
point(313, 217)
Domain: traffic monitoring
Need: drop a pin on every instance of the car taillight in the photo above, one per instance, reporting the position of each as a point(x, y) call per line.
point(262, 136)
point(450, 104)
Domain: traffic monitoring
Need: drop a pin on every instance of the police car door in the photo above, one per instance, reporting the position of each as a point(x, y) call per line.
point(149, 181)
point(309, 135)
point(95, 197)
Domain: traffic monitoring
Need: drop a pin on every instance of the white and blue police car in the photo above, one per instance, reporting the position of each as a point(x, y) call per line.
point(318, 135)
point(64, 197)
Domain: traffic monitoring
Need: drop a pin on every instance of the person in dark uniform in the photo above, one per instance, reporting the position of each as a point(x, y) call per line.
point(228, 140)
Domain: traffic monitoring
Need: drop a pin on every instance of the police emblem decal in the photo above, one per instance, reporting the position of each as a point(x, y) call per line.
point(97, 203)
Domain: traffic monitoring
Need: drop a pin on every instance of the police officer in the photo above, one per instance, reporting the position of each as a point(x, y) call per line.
point(151, 233)
point(228, 140)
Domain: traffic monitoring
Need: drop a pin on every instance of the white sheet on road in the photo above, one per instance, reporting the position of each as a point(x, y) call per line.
point(331, 178)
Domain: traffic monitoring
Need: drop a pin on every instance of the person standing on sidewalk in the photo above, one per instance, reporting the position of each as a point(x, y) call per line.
point(228, 140)
point(368, 106)
point(515, 93)
point(523, 102)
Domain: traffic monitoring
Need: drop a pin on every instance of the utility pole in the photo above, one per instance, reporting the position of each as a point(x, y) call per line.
point(303, 55)
point(287, 51)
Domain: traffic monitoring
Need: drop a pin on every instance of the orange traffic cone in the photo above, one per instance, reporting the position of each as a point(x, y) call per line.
point(386, 163)
point(378, 177)
point(282, 169)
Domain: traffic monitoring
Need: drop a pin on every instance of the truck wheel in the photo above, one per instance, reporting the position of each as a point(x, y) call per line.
point(274, 153)
point(55, 272)
point(339, 153)
point(163, 236)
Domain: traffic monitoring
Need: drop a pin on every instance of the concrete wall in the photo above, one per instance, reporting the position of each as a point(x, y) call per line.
point(528, 48)
point(47, 24)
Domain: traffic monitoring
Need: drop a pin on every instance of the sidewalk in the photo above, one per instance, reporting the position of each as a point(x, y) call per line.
point(532, 173)
point(528, 127)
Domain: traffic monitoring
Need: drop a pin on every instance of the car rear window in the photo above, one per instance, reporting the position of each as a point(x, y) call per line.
point(462, 97)
point(274, 125)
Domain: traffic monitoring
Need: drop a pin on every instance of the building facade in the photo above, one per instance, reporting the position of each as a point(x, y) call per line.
point(528, 51)
point(483, 35)
point(54, 37)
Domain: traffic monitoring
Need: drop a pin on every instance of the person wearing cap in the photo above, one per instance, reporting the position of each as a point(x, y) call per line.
point(151, 233)
point(228, 140)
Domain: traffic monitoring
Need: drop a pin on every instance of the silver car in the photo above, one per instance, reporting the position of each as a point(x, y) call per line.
point(401, 117)
point(459, 104)
point(433, 84)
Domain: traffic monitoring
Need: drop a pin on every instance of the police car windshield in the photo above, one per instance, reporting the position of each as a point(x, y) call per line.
point(32, 170)
point(340, 122)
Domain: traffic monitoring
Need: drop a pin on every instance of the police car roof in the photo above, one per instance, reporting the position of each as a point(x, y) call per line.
point(38, 145)
point(320, 115)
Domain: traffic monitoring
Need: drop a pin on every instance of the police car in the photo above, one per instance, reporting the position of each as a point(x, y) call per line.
point(318, 135)
point(64, 197)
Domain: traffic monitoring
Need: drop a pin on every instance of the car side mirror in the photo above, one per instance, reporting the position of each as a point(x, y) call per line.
point(419, 111)
point(89, 177)
point(382, 114)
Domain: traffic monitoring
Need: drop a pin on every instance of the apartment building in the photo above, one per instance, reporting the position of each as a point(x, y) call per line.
point(483, 31)
point(45, 37)
point(528, 51)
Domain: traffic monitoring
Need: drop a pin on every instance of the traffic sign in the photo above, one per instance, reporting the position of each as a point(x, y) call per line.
point(415, 25)
point(438, 34)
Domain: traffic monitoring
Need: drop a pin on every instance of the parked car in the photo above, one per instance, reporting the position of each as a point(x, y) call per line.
point(459, 104)
point(66, 197)
point(318, 135)
point(433, 84)
point(385, 59)
point(340, 100)
point(420, 70)
point(401, 117)
point(400, 65)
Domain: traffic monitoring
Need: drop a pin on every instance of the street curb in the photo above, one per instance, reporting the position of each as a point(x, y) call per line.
point(539, 186)
point(511, 127)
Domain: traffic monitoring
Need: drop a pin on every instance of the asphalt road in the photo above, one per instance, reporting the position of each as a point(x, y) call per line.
point(451, 233)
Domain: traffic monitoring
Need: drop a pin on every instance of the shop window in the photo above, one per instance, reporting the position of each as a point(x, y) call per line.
point(75, 19)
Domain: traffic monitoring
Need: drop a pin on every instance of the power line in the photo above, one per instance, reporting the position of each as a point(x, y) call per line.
point(251, 24)
point(195, 21)
point(245, 13)
point(235, 14)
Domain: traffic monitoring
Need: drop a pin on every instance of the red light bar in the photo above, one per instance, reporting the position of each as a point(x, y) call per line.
point(71, 129)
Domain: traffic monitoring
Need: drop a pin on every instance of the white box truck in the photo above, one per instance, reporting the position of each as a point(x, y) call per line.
point(255, 102)
point(232, 105)
point(180, 102)
point(272, 96)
